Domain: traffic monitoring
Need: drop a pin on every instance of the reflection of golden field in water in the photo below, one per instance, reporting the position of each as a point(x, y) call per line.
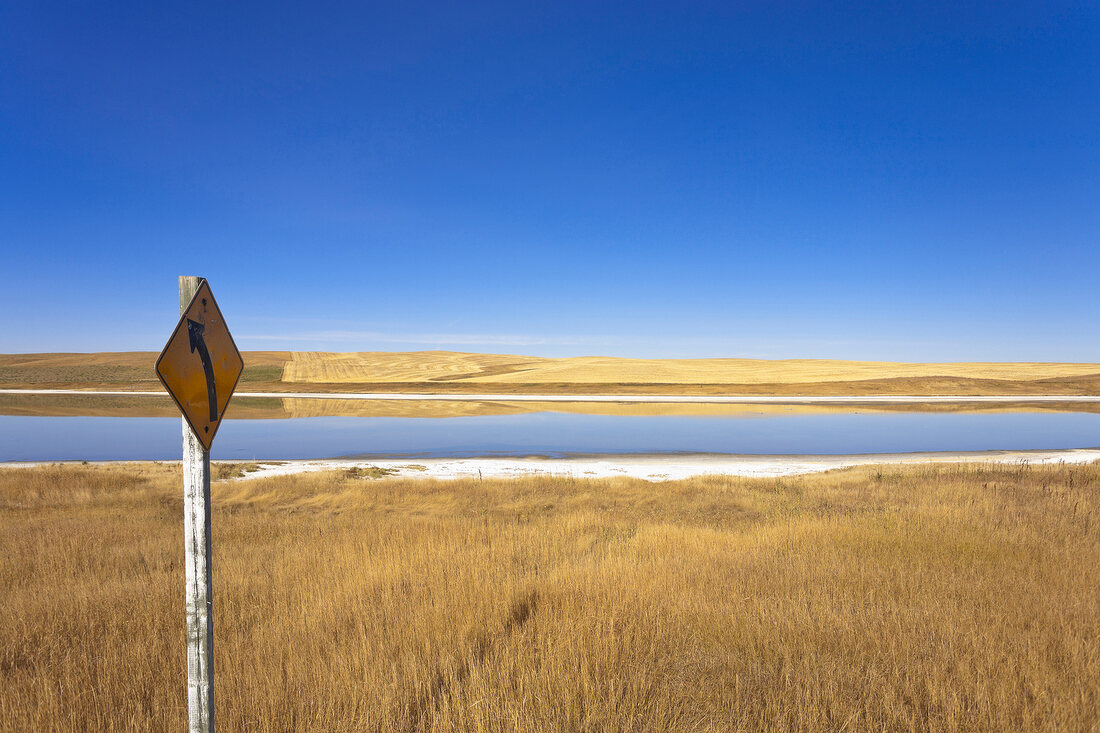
point(295, 407)
point(250, 408)
point(948, 598)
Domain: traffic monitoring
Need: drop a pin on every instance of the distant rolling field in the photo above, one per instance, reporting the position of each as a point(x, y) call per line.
point(114, 370)
point(464, 373)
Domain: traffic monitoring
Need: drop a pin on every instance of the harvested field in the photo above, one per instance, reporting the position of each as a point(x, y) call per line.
point(115, 370)
point(445, 366)
point(441, 372)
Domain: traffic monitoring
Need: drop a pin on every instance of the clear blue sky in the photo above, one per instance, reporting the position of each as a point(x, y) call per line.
point(915, 181)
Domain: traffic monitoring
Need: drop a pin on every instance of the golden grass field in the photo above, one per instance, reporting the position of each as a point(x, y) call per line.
point(948, 598)
point(445, 371)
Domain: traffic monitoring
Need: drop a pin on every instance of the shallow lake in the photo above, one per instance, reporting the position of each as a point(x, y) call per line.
point(32, 438)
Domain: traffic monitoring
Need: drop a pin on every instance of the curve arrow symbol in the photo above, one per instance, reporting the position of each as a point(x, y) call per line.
point(194, 335)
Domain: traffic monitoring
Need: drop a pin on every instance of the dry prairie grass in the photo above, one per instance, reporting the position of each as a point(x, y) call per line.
point(946, 598)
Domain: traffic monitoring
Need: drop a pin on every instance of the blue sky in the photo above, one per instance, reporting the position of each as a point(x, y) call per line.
point(915, 181)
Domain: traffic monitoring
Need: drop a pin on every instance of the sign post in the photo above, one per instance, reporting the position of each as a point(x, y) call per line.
point(200, 367)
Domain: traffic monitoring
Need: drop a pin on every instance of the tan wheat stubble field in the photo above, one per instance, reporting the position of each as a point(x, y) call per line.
point(467, 373)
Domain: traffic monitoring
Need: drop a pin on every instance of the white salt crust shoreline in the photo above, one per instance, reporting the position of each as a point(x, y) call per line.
point(649, 467)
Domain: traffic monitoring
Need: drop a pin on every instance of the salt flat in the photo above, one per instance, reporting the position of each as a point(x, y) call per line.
point(659, 467)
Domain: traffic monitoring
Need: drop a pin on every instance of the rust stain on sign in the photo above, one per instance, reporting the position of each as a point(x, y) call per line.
point(200, 365)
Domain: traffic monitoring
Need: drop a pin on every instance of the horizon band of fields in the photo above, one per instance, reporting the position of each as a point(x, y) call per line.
point(362, 404)
point(458, 373)
point(440, 406)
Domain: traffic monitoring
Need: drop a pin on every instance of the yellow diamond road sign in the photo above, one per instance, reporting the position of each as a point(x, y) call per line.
point(200, 365)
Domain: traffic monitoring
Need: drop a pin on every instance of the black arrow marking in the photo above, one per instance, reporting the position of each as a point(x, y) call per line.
point(194, 335)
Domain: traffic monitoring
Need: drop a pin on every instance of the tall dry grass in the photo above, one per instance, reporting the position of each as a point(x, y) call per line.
point(946, 598)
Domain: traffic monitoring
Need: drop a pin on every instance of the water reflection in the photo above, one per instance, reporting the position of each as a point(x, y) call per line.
point(257, 408)
point(545, 433)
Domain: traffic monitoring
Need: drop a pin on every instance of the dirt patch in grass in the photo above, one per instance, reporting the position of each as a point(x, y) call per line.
point(369, 472)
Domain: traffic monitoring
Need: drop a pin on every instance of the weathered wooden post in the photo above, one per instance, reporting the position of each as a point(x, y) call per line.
point(200, 367)
point(199, 553)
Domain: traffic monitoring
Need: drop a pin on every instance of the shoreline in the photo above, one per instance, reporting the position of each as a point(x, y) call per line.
point(621, 398)
point(650, 467)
